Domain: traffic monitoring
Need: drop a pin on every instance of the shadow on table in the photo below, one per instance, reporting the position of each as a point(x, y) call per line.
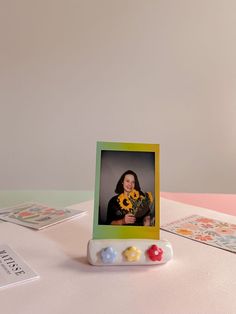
point(82, 264)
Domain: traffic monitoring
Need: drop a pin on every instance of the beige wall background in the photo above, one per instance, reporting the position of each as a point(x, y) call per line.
point(74, 72)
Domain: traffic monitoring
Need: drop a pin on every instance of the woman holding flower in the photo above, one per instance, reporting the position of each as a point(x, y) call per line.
point(130, 206)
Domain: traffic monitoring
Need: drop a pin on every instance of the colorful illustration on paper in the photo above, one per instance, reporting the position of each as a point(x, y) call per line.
point(37, 216)
point(206, 230)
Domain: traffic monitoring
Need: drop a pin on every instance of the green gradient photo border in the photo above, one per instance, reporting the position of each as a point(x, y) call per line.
point(126, 232)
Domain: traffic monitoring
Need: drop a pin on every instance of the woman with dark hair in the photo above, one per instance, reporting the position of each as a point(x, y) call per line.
point(125, 207)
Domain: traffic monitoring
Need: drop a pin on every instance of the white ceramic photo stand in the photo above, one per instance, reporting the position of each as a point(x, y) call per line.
point(106, 252)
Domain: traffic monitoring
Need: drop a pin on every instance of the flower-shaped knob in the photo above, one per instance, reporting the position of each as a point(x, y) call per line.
point(108, 255)
point(155, 253)
point(132, 254)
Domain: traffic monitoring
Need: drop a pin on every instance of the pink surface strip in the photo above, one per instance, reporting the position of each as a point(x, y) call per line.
point(224, 203)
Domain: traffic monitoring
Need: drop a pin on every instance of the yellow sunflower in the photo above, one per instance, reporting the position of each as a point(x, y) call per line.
point(150, 196)
point(124, 202)
point(134, 194)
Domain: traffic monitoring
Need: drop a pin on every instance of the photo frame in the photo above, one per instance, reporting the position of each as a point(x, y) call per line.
point(131, 211)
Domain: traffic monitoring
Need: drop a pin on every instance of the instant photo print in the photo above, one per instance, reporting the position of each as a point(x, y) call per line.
point(126, 223)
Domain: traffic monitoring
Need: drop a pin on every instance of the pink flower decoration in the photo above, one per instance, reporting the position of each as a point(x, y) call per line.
point(205, 220)
point(25, 214)
point(203, 238)
point(155, 253)
point(206, 226)
point(224, 230)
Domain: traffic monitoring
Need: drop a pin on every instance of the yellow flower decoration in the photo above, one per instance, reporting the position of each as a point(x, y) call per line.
point(124, 202)
point(150, 196)
point(132, 254)
point(134, 194)
point(184, 231)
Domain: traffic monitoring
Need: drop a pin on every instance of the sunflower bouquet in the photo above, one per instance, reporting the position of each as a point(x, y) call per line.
point(137, 203)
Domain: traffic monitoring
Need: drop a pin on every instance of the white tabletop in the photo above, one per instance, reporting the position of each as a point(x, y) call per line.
point(200, 279)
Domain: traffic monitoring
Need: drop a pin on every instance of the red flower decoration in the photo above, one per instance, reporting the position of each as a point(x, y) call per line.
point(155, 253)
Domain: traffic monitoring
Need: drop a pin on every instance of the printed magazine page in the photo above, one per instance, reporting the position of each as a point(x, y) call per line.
point(13, 269)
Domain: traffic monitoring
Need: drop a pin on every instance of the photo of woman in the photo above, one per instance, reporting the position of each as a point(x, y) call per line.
point(127, 191)
point(130, 206)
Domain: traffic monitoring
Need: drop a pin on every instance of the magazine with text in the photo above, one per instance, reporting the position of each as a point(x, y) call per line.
point(13, 269)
